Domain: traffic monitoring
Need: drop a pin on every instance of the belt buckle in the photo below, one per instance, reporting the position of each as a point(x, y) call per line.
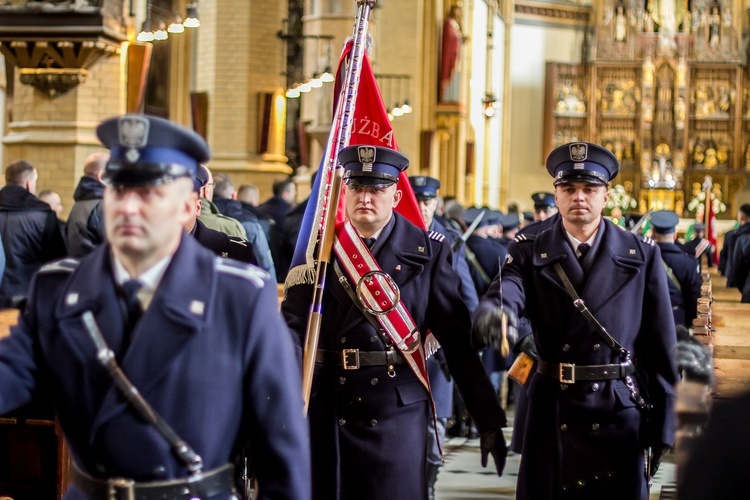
point(345, 359)
point(119, 488)
point(571, 379)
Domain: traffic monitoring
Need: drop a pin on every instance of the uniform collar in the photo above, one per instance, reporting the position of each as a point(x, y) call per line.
point(149, 279)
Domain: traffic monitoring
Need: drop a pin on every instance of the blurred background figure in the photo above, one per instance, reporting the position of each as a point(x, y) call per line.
point(85, 226)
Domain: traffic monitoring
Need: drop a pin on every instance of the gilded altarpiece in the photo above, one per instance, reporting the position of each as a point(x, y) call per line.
point(667, 91)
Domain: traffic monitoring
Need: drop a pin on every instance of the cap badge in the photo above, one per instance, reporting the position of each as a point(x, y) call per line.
point(578, 152)
point(133, 135)
point(366, 157)
point(420, 181)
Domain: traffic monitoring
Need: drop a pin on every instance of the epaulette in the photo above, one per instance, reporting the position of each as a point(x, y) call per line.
point(648, 241)
point(60, 266)
point(524, 237)
point(253, 274)
point(238, 240)
point(434, 235)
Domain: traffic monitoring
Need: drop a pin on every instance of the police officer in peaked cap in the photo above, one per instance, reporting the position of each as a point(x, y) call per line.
point(544, 205)
point(683, 270)
point(441, 382)
point(369, 410)
point(188, 330)
point(589, 432)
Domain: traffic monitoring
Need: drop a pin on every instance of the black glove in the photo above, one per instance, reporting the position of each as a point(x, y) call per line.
point(528, 346)
point(486, 325)
point(494, 443)
point(657, 455)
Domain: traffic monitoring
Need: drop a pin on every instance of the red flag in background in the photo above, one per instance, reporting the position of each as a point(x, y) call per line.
point(710, 220)
point(372, 127)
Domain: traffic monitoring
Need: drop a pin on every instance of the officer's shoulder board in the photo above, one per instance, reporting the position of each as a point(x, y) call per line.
point(238, 241)
point(251, 273)
point(648, 241)
point(434, 235)
point(522, 237)
point(60, 266)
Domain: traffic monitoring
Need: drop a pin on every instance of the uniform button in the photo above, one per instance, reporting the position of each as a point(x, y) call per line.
point(563, 387)
point(374, 381)
point(594, 427)
point(566, 347)
point(358, 399)
point(373, 422)
point(342, 421)
point(342, 340)
point(159, 470)
point(373, 340)
point(597, 347)
point(581, 483)
point(595, 387)
point(342, 380)
point(564, 427)
point(100, 468)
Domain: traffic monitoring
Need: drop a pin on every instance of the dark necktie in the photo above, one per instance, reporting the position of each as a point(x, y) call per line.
point(583, 249)
point(369, 242)
point(133, 306)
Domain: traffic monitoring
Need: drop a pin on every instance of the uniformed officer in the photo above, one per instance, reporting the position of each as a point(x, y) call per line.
point(198, 336)
point(441, 382)
point(700, 246)
point(220, 243)
point(738, 271)
point(682, 269)
point(369, 409)
point(484, 252)
point(585, 416)
point(544, 205)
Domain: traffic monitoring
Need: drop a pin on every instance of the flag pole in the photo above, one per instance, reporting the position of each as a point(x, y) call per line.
point(338, 138)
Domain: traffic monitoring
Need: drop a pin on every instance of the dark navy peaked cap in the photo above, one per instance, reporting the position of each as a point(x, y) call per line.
point(664, 221)
point(372, 166)
point(543, 199)
point(472, 213)
point(582, 162)
point(425, 188)
point(149, 150)
point(510, 221)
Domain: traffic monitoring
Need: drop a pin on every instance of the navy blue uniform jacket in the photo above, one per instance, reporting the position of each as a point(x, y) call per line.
point(589, 433)
point(368, 430)
point(686, 270)
point(211, 354)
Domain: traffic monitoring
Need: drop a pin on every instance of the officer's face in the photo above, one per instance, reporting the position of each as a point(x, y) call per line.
point(428, 207)
point(370, 208)
point(581, 202)
point(145, 224)
point(544, 213)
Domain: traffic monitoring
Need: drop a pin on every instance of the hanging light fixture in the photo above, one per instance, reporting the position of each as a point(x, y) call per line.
point(176, 26)
point(161, 34)
point(327, 76)
point(191, 19)
point(292, 93)
point(146, 35)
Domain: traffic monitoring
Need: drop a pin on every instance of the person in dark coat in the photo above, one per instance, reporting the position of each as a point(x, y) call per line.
point(369, 409)
point(484, 253)
point(700, 246)
point(544, 205)
point(276, 207)
point(200, 338)
point(739, 269)
point(441, 382)
point(30, 233)
point(589, 433)
point(85, 229)
point(225, 200)
point(683, 272)
point(727, 251)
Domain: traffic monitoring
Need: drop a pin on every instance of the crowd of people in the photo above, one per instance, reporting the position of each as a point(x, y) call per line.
point(163, 283)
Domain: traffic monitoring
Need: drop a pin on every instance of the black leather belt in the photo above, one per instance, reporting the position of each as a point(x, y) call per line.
point(569, 373)
point(204, 485)
point(353, 359)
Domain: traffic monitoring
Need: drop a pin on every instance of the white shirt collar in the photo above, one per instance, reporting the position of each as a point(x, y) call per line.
point(149, 279)
point(575, 241)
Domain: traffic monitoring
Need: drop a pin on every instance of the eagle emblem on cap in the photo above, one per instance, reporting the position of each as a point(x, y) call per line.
point(366, 156)
point(420, 181)
point(578, 152)
point(133, 134)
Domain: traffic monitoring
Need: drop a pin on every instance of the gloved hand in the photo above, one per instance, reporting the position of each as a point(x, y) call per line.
point(527, 346)
point(486, 327)
point(694, 360)
point(494, 443)
point(657, 455)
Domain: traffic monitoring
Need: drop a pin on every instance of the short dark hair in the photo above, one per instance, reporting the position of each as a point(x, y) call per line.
point(223, 186)
point(17, 173)
point(745, 209)
point(281, 185)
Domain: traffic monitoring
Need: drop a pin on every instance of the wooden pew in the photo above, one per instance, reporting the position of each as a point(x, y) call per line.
point(34, 460)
